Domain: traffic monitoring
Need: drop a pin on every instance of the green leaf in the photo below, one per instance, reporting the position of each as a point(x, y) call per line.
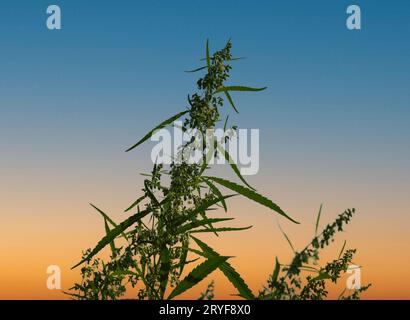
point(113, 234)
point(218, 193)
point(184, 254)
point(151, 194)
point(107, 218)
point(275, 274)
point(224, 229)
point(230, 273)
point(135, 203)
point(238, 88)
point(322, 276)
point(160, 126)
point(164, 269)
point(197, 275)
point(287, 238)
point(206, 157)
point(228, 96)
point(199, 223)
point(318, 219)
point(238, 58)
point(341, 251)
point(196, 70)
point(251, 194)
point(204, 206)
point(233, 165)
point(226, 122)
point(112, 244)
point(208, 59)
point(232, 59)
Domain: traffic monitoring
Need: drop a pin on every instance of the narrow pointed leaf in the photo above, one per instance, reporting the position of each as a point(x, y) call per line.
point(200, 223)
point(218, 193)
point(160, 126)
point(233, 165)
point(226, 122)
point(197, 275)
point(287, 238)
point(184, 255)
point(238, 88)
point(208, 58)
point(151, 194)
point(112, 244)
point(318, 219)
point(113, 234)
point(341, 251)
point(196, 70)
point(107, 218)
point(135, 203)
point(251, 194)
point(228, 96)
point(204, 206)
point(230, 273)
point(275, 274)
point(223, 229)
point(322, 276)
point(164, 269)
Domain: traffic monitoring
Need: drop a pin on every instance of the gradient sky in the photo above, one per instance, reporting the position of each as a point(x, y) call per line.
point(334, 126)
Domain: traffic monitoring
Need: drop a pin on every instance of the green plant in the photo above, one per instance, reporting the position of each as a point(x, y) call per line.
point(150, 249)
point(286, 280)
point(158, 237)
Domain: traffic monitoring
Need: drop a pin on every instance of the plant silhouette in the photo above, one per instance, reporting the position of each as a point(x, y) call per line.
point(150, 249)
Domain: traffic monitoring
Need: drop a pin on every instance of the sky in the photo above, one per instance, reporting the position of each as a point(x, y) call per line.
point(333, 126)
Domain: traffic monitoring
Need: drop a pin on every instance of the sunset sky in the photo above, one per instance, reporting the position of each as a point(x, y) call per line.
point(334, 128)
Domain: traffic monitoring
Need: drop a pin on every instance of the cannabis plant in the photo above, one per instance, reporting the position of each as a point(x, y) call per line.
point(152, 247)
point(286, 280)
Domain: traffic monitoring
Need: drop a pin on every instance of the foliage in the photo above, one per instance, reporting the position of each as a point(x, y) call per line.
point(286, 281)
point(150, 249)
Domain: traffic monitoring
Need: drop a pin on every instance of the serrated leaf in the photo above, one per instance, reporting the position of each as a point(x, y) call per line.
point(199, 223)
point(112, 244)
point(230, 273)
point(239, 88)
point(318, 219)
point(160, 126)
point(216, 191)
point(197, 275)
point(208, 58)
point(135, 203)
point(226, 122)
point(287, 238)
point(203, 207)
point(184, 255)
point(233, 165)
point(322, 276)
point(107, 218)
point(275, 274)
point(341, 251)
point(228, 96)
point(223, 229)
point(151, 194)
point(113, 234)
point(251, 194)
point(164, 269)
point(196, 70)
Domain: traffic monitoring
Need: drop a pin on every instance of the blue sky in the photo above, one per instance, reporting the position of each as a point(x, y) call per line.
point(116, 68)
